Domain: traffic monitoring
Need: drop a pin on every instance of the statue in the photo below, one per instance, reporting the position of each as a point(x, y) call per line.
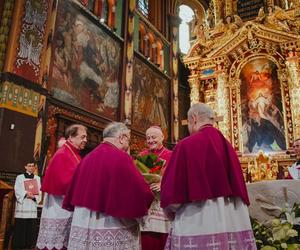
point(199, 31)
point(209, 19)
point(275, 18)
point(224, 30)
point(196, 24)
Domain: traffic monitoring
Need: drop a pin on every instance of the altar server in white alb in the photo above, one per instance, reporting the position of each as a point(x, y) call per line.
point(27, 200)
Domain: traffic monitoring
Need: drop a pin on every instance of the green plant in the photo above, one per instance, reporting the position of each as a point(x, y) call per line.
point(279, 233)
point(149, 163)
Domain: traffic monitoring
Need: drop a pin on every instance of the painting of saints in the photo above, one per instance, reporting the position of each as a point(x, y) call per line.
point(85, 63)
point(151, 97)
point(262, 115)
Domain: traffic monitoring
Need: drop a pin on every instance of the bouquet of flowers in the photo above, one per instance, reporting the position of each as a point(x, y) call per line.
point(150, 166)
point(279, 233)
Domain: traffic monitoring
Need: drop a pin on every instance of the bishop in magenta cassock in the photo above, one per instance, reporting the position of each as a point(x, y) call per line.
point(155, 226)
point(204, 191)
point(108, 195)
point(55, 221)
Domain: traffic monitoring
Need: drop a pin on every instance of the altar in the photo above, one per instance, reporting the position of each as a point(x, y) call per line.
point(248, 72)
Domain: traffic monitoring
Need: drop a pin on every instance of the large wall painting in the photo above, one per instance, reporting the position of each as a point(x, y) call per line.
point(262, 112)
point(151, 99)
point(85, 63)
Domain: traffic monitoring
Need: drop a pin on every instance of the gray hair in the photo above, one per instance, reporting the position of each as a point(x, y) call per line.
point(201, 109)
point(114, 129)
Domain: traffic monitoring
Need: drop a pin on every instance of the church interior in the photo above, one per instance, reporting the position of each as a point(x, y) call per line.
point(144, 63)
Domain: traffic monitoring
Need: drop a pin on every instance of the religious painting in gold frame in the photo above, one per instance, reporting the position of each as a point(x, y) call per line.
point(85, 62)
point(261, 107)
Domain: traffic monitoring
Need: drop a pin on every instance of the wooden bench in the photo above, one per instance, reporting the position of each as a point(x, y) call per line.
point(7, 207)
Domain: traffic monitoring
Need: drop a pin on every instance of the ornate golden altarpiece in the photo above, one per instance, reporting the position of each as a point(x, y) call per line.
point(216, 61)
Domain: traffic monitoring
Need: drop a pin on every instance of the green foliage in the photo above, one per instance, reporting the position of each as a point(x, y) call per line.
point(149, 163)
point(279, 233)
point(150, 160)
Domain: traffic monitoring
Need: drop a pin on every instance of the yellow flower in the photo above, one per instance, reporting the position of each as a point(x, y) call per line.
point(278, 233)
point(291, 233)
point(275, 223)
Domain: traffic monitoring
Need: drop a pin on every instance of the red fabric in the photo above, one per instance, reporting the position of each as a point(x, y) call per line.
point(60, 170)
point(203, 166)
point(153, 240)
point(107, 181)
point(84, 2)
point(31, 185)
point(289, 177)
point(162, 153)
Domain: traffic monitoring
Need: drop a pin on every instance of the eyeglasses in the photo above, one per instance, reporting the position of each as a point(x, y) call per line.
point(127, 136)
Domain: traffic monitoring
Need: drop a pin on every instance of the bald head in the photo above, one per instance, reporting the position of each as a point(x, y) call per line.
point(154, 137)
point(201, 109)
point(198, 115)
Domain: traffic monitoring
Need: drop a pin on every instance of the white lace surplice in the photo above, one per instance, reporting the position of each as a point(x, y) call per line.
point(92, 230)
point(55, 224)
point(155, 221)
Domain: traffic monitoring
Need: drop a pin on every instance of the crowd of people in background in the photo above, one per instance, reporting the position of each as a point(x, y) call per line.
point(103, 202)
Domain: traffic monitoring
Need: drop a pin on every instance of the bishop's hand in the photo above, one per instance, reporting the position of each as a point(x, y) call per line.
point(155, 187)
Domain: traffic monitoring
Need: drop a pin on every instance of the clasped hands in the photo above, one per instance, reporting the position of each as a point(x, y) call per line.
point(30, 195)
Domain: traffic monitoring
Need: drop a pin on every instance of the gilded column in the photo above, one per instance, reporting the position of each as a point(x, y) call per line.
point(292, 64)
point(129, 63)
point(223, 104)
point(195, 89)
point(235, 112)
point(286, 102)
point(217, 10)
point(228, 7)
point(174, 22)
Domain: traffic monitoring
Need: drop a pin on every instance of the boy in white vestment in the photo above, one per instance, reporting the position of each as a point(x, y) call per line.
point(28, 195)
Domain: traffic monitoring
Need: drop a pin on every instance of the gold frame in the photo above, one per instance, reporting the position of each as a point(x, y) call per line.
point(251, 41)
